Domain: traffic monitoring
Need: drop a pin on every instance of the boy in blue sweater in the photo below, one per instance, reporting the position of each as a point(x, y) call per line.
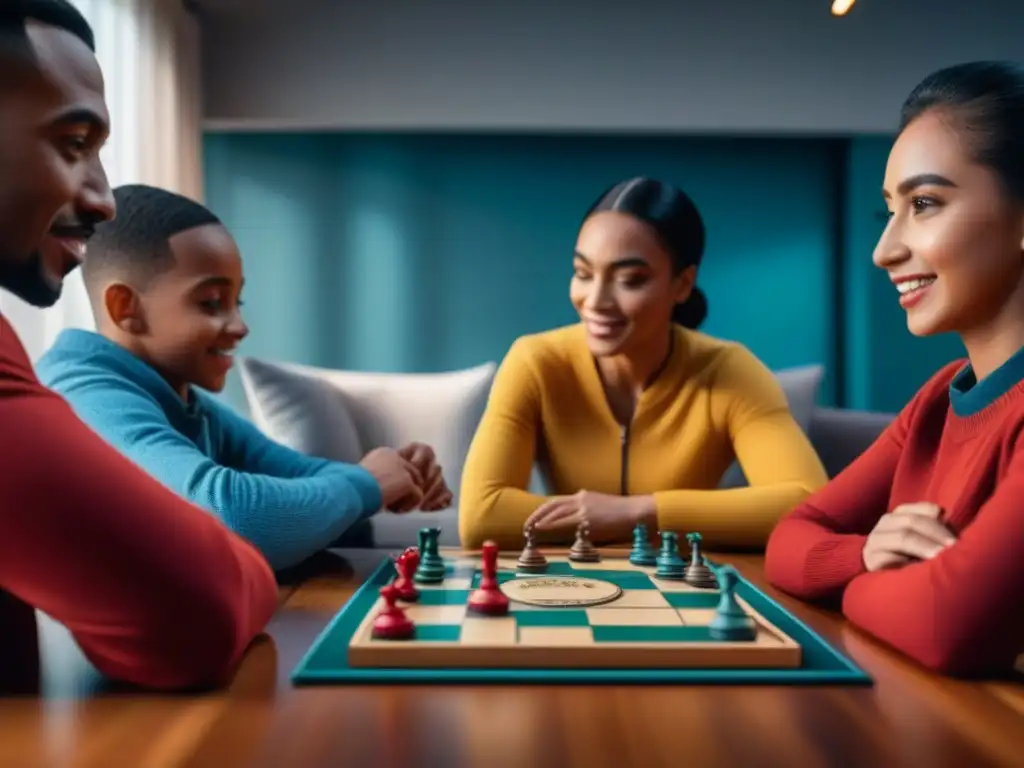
point(164, 279)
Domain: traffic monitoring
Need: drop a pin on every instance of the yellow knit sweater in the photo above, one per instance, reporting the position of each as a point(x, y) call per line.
point(713, 403)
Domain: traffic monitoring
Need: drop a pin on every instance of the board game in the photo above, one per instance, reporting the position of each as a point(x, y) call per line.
point(437, 615)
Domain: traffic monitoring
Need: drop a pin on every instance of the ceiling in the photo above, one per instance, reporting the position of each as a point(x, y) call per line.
point(238, 9)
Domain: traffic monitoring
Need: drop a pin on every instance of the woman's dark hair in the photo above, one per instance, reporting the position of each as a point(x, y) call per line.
point(678, 224)
point(985, 99)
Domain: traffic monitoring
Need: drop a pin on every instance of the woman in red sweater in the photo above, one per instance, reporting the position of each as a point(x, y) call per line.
point(921, 539)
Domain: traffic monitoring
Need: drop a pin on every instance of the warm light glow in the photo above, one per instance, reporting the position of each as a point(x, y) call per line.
point(840, 7)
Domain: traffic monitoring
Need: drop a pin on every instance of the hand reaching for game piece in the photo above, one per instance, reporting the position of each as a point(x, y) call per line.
point(610, 518)
point(436, 494)
point(910, 532)
point(399, 479)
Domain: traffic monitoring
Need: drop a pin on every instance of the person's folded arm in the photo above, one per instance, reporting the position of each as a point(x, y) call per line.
point(957, 612)
point(288, 519)
point(247, 449)
point(817, 549)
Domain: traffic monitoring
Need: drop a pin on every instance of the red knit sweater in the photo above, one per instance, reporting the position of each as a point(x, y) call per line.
point(155, 591)
point(957, 445)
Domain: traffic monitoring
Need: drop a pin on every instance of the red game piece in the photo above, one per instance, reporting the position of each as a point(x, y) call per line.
point(406, 564)
point(392, 623)
point(488, 598)
point(412, 554)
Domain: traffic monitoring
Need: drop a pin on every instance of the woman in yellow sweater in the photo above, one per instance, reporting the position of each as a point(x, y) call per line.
point(632, 413)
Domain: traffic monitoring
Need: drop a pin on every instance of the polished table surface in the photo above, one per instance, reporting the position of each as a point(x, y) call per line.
point(907, 718)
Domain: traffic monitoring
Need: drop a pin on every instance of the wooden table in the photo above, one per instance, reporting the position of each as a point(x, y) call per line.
point(908, 718)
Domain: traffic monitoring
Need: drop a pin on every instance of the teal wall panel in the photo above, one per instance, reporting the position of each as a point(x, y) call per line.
point(401, 252)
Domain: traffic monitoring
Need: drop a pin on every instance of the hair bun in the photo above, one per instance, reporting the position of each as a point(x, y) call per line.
point(692, 312)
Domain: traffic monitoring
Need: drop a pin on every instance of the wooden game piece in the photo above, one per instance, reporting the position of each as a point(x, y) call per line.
point(531, 560)
point(488, 598)
point(731, 623)
point(392, 623)
point(431, 567)
point(406, 564)
point(670, 563)
point(582, 550)
point(697, 573)
point(643, 554)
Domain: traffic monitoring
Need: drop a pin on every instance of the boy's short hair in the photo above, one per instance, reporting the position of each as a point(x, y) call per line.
point(135, 245)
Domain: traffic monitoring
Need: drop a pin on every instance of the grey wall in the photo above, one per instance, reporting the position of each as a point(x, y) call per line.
point(650, 65)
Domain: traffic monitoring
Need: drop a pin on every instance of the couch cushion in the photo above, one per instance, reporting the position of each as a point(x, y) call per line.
point(801, 387)
point(341, 415)
point(841, 435)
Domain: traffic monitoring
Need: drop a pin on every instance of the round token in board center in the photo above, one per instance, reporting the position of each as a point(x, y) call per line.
point(559, 591)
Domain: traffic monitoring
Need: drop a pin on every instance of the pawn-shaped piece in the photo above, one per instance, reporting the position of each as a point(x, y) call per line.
point(392, 623)
point(406, 564)
point(643, 553)
point(488, 598)
point(731, 623)
point(431, 566)
point(531, 560)
point(698, 574)
point(670, 563)
point(582, 551)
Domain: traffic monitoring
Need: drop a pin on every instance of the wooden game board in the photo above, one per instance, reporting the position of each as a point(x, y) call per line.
point(653, 631)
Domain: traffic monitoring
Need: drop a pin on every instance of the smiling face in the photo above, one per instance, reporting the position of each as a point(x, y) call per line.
point(954, 244)
point(53, 122)
point(186, 321)
point(623, 286)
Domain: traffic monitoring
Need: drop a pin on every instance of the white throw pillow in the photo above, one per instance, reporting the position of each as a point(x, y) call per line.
point(342, 415)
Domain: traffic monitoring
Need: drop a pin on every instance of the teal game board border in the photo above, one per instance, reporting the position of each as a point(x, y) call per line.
point(822, 664)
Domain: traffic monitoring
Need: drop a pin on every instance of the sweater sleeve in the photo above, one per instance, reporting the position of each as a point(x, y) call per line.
point(246, 448)
point(817, 550)
point(288, 519)
point(956, 613)
point(781, 465)
point(492, 502)
point(155, 591)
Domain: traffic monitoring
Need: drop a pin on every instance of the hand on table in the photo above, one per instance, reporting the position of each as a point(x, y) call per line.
point(910, 532)
point(399, 479)
point(435, 492)
point(610, 518)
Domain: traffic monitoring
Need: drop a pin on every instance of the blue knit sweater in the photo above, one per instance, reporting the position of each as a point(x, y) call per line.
point(287, 504)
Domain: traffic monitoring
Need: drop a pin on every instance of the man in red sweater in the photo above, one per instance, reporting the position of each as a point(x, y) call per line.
point(155, 591)
point(921, 539)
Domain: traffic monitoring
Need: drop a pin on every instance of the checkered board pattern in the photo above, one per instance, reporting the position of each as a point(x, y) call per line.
point(656, 631)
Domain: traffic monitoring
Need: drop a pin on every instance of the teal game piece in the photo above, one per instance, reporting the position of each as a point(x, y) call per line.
point(730, 621)
point(431, 567)
point(670, 564)
point(643, 553)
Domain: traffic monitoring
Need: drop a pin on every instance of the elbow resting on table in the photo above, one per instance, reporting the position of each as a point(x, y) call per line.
point(941, 640)
point(953, 652)
point(477, 520)
point(472, 532)
point(198, 638)
point(197, 651)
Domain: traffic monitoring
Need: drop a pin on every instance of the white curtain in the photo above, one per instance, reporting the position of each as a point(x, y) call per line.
point(149, 53)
